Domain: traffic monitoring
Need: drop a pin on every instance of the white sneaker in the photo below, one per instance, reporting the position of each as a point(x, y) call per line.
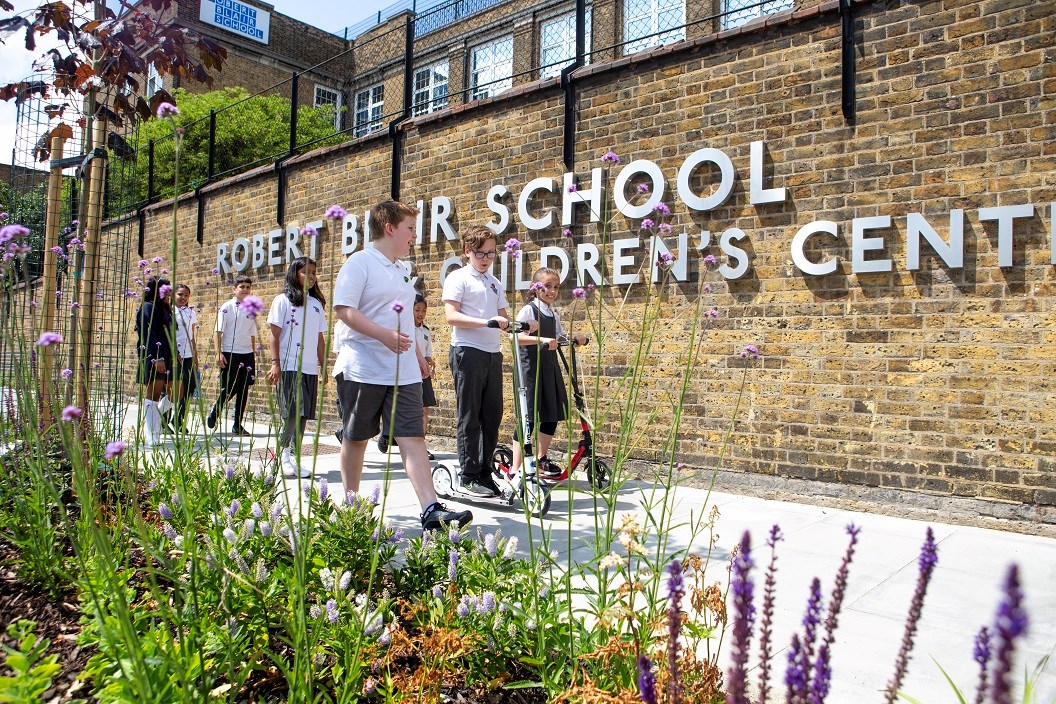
point(290, 467)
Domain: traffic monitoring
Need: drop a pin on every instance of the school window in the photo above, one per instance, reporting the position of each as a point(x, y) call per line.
point(649, 23)
point(491, 68)
point(738, 12)
point(430, 88)
point(154, 80)
point(369, 106)
point(557, 43)
point(330, 99)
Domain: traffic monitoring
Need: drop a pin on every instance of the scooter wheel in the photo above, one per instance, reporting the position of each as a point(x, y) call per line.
point(502, 459)
point(443, 481)
point(535, 497)
point(598, 474)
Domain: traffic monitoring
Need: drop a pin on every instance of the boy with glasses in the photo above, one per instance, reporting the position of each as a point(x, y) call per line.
point(473, 297)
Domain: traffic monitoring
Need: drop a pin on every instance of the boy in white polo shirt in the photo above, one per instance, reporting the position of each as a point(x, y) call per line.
point(380, 362)
point(473, 297)
point(236, 341)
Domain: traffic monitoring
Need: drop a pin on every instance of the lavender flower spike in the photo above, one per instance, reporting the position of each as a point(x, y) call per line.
point(981, 655)
point(836, 602)
point(1010, 624)
point(675, 590)
point(743, 619)
point(766, 625)
point(928, 559)
point(646, 680)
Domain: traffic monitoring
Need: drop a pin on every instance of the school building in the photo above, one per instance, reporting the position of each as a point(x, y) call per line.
point(875, 179)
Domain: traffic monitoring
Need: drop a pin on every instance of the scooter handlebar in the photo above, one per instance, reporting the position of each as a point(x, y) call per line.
point(515, 326)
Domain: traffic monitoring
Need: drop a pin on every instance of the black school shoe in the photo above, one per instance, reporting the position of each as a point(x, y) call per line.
point(437, 517)
point(478, 486)
point(239, 431)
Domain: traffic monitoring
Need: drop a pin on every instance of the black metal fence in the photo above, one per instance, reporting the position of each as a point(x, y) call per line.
point(418, 62)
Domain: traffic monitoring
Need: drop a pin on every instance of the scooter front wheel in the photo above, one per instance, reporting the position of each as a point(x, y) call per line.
point(443, 481)
point(535, 497)
point(502, 459)
point(598, 473)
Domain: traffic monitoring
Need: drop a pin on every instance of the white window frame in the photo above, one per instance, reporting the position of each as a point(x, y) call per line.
point(653, 36)
point(735, 13)
point(368, 107)
point(155, 81)
point(486, 73)
point(424, 99)
point(567, 46)
point(331, 96)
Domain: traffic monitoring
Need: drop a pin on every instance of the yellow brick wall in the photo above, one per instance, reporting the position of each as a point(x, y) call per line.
point(938, 380)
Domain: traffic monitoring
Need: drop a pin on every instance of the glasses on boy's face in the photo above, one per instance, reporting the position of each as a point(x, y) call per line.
point(484, 255)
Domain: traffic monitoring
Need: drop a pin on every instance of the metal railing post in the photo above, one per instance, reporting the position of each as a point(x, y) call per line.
point(212, 145)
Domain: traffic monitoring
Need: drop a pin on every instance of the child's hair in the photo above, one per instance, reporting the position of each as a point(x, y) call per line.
point(530, 294)
point(420, 298)
point(182, 286)
point(243, 280)
point(474, 237)
point(388, 212)
point(152, 290)
point(292, 287)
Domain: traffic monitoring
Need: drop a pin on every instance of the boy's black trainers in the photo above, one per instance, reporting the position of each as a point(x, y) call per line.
point(478, 486)
point(210, 421)
point(437, 517)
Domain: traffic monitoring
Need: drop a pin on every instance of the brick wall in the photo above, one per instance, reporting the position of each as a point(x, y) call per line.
point(938, 380)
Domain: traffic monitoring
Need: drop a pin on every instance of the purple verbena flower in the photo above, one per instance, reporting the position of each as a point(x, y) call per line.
point(66, 373)
point(647, 224)
point(309, 231)
point(252, 306)
point(513, 246)
point(397, 307)
point(71, 413)
point(114, 449)
point(335, 212)
point(643, 188)
point(750, 351)
point(610, 157)
point(48, 339)
point(662, 209)
point(167, 109)
point(572, 188)
point(567, 232)
point(579, 293)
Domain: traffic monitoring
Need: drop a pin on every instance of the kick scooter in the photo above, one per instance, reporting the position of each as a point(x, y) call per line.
point(521, 487)
point(598, 473)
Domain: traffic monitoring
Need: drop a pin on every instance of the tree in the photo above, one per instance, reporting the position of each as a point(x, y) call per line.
point(249, 131)
point(104, 50)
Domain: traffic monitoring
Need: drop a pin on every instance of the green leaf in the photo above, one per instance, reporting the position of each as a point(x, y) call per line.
point(523, 684)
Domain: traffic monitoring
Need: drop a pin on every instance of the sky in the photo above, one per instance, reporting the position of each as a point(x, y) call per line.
point(331, 15)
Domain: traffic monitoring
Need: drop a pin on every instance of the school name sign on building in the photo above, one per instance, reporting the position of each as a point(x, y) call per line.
point(240, 18)
point(547, 204)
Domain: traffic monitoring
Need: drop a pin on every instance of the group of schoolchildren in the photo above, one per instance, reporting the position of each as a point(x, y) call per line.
point(384, 364)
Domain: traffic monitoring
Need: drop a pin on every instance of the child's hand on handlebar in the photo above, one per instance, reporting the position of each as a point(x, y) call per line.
point(580, 339)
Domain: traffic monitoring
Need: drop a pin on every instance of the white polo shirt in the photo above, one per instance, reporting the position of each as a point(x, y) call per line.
point(299, 335)
point(238, 328)
point(479, 296)
point(337, 342)
point(370, 283)
point(186, 326)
